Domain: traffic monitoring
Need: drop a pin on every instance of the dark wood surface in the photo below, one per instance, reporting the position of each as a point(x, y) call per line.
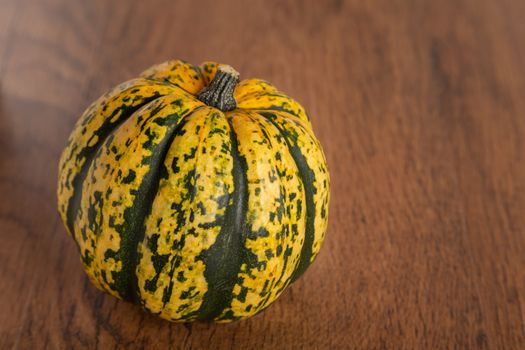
point(420, 106)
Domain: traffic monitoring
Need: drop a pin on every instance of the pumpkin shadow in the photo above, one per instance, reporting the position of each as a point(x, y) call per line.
point(126, 323)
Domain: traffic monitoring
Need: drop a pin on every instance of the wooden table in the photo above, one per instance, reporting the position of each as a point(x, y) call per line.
point(420, 106)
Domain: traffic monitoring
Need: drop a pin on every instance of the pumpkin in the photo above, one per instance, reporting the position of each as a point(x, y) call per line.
point(194, 195)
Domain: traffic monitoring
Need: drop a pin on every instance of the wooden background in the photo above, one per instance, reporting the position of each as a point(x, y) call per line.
point(420, 106)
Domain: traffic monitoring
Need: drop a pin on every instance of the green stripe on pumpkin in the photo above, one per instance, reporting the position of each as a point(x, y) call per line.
point(223, 259)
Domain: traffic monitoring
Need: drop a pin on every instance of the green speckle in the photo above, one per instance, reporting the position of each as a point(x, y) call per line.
point(130, 177)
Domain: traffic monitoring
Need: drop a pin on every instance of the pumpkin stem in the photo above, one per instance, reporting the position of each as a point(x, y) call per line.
point(219, 93)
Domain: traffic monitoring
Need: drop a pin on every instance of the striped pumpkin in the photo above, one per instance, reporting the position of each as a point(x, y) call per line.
point(195, 195)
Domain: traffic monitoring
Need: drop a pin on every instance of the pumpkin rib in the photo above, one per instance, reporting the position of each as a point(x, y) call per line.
point(271, 235)
point(189, 209)
point(89, 154)
point(292, 222)
point(249, 87)
point(272, 100)
point(182, 74)
point(78, 149)
point(311, 146)
point(307, 177)
point(286, 115)
point(150, 197)
point(221, 267)
point(132, 190)
point(192, 188)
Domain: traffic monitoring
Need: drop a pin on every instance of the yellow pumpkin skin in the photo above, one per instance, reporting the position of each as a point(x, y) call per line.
point(192, 212)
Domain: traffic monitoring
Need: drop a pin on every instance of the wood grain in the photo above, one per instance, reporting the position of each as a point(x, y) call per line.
point(420, 108)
